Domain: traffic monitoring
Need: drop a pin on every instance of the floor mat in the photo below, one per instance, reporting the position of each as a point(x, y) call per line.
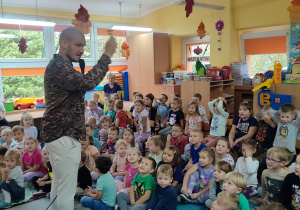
point(28, 196)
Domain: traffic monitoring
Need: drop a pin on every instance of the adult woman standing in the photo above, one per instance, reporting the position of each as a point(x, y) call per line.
point(112, 87)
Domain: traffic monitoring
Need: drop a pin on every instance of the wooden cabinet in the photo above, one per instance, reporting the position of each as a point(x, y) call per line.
point(209, 90)
point(149, 57)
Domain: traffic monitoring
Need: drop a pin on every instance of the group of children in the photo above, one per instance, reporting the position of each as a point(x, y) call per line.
point(138, 170)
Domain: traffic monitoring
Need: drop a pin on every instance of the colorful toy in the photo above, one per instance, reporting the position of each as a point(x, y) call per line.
point(268, 98)
point(40, 103)
point(200, 69)
point(264, 86)
point(23, 103)
point(277, 72)
point(259, 78)
point(82, 22)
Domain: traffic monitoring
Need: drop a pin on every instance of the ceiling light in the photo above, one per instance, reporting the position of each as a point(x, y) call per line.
point(26, 22)
point(131, 28)
point(196, 4)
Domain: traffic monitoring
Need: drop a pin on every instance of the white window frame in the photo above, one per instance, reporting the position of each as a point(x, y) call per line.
point(192, 40)
point(49, 46)
point(265, 33)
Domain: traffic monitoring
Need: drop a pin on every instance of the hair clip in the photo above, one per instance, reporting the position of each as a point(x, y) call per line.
point(174, 151)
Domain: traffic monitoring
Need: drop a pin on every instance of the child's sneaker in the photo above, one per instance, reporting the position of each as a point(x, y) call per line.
point(5, 205)
point(39, 194)
point(182, 198)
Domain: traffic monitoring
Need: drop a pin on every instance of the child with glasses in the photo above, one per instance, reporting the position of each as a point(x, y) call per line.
point(273, 177)
point(177, 139)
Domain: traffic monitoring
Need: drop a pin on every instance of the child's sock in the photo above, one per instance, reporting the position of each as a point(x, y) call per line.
point(189, 192)
point(7, 197)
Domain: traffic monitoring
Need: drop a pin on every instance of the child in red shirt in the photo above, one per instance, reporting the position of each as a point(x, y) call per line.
point(177, 139)
point(121, 117)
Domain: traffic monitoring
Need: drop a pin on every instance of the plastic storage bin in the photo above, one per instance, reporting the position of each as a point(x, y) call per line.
point(9, 106)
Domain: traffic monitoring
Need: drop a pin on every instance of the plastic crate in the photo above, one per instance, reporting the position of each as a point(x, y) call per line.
point(9, 106)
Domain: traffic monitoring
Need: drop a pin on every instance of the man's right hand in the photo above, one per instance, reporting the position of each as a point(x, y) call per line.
point(110, 46)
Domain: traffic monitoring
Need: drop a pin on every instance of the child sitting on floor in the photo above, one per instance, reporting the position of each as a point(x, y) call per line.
point(156, 146)
point(84, 178)
point(121, 117)
point(3, 150)
point(196, 182)
point(221, 169)
point(12, 184)
point(105, 122)
point(6, 135)
point(165, 196)
point(177, 138)
point(18, 134)
point(43, 185)
point(142, 187)
point(226, 201)
point(117, 169)
point(104, 196)
point(235, 183)
point(95, 111)
point(111, 112)
point(32, 161)
point(27, 123)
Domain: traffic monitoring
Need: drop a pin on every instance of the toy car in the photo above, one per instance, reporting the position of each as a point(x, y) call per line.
point(24, 103)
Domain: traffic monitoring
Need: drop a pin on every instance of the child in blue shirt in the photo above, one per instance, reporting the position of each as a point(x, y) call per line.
point(104, 196)
point(287, 128)
point(165, 196)
point(162, 108)
point(195, 138)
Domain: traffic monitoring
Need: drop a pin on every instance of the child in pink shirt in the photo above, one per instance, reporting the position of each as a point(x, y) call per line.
point(32, 162)
point(131, 169)
point(117, 169)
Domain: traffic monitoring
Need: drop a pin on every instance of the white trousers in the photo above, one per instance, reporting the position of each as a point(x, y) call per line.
point(65, 155)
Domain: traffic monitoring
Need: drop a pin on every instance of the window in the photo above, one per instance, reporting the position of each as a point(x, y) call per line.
point(87, 49)
point(262, 49)
point(102, 38)
point(196, 52)
point(9, 40)
point(23, 87)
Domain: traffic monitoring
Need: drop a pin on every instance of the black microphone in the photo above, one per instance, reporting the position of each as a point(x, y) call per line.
point(82, 65)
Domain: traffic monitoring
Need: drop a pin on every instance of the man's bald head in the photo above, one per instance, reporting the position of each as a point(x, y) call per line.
point(70, 33)
point(71, 44)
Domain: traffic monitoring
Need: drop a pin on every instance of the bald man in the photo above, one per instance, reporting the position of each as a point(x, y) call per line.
point(63, 120)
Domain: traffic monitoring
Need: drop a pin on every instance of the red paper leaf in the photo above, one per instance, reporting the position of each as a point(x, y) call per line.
point(82, 14)
point(22, 45)
point(189, 7)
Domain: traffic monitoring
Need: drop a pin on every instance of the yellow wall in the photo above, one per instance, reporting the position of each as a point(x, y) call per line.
point(175, 46)
point(251, 14)
point(172, 20)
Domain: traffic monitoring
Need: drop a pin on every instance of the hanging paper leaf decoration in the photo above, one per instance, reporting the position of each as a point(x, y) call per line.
point(201, 30)
point(295, 11)
point(82, 22)
point(125, 50)
point(198, 50)
point(189, 7)
point(22, 45)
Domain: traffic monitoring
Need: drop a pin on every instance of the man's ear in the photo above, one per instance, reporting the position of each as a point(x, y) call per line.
point(239, 190)
point(63, 43)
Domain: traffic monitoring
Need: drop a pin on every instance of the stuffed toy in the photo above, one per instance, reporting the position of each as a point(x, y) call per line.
point(82, 22)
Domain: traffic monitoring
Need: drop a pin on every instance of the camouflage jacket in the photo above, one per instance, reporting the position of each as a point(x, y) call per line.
point(64, 95)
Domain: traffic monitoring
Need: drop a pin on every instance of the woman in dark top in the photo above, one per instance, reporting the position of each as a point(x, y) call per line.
point(112, 87)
